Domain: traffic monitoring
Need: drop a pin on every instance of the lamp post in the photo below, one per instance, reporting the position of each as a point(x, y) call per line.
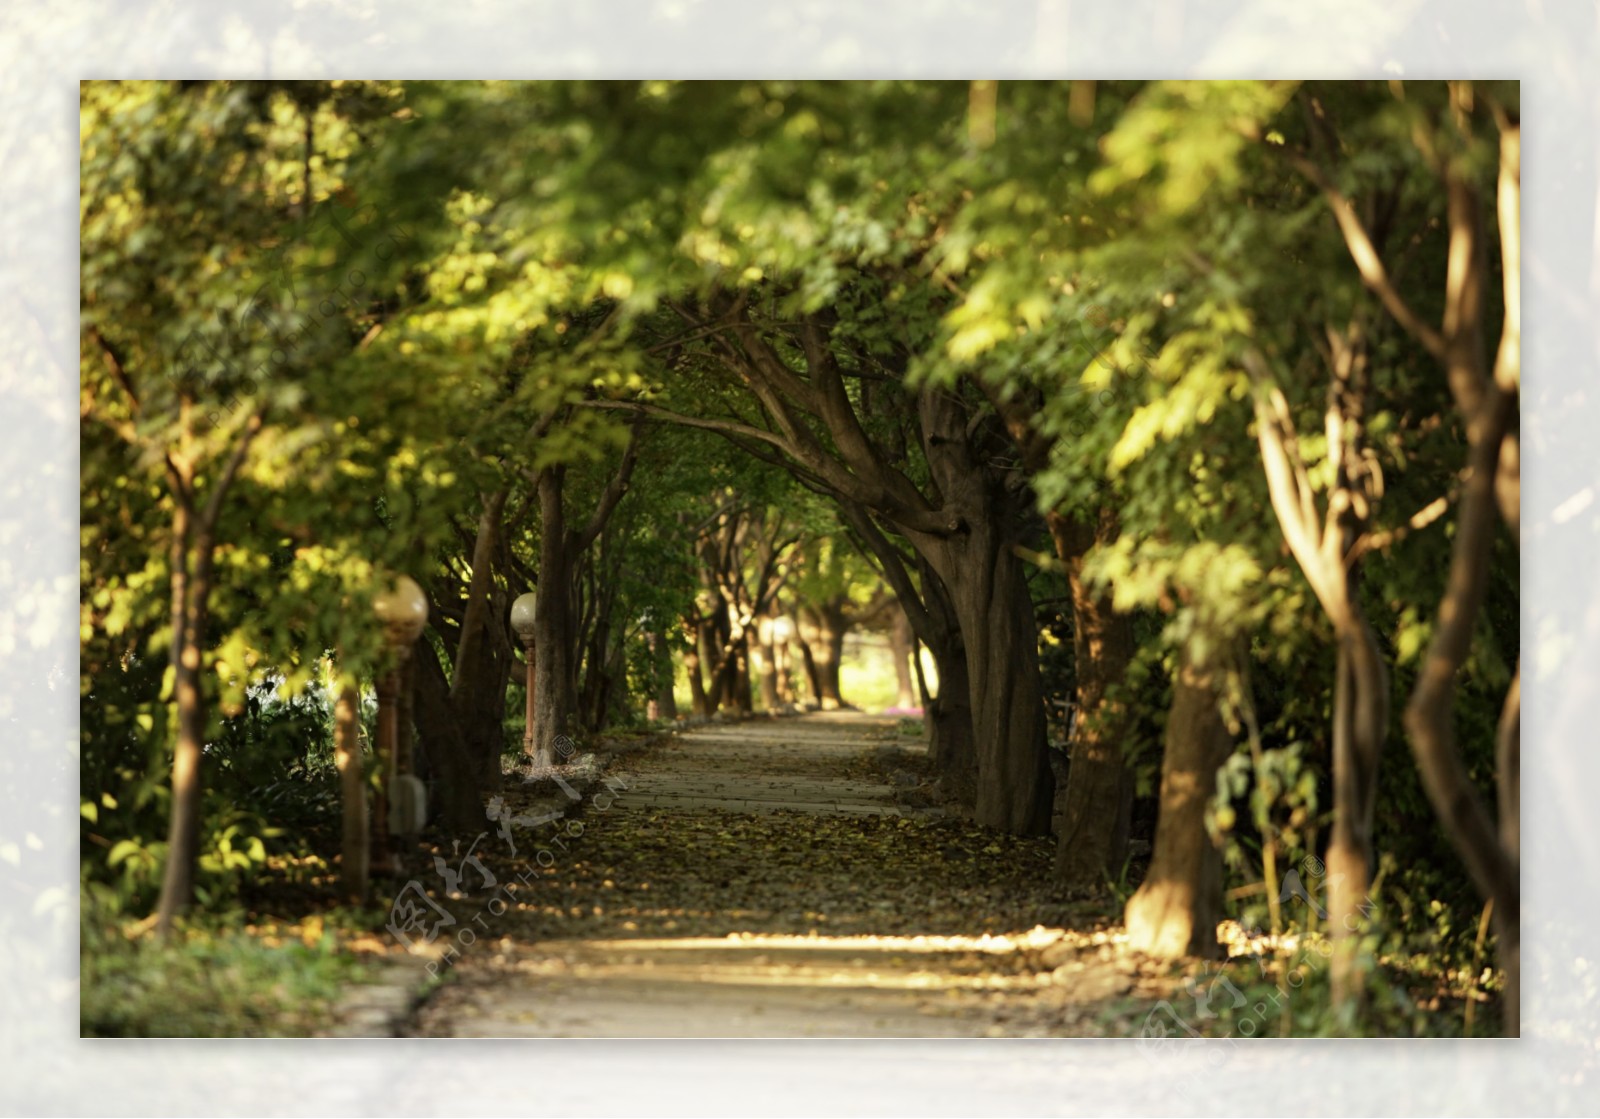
point(522, 621)
point(403, 611)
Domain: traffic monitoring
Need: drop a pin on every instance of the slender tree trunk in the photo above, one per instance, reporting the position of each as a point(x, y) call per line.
point(479, 592)
point(1175, 911)
point(783, 672)
point(693, 659)
point(553, 622)
point(903, 649)
point(191, 588)
point(1360, 723)
point(766, 664)
point(808, 660)
point(348, 759)
point(1491, 853)
point(666, 700)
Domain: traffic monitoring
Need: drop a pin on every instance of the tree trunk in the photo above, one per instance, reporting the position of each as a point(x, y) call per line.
point(823, 626)
point(441, 748)
point(553, 622)
point(733, 682)
point(699, 700)
point(1491, 854)
point(903, 648)
point(189, 595)
point(1099, 794)
point(353, 789)
point(1175, 911)
point(949, 713)
point(808, 660)
point(949, 717)
point(766, 664)
point(666, 701)
point(926, 605)
point(1360, 723)
point(989, 593)
point(783, 671)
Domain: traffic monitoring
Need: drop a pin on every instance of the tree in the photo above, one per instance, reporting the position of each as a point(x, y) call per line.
point(166, 363)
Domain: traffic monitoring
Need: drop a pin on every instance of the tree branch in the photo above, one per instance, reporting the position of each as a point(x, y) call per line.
point(1368, 263)
point(613, 493)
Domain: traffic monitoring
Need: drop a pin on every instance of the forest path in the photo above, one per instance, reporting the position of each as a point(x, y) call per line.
point(768, 879)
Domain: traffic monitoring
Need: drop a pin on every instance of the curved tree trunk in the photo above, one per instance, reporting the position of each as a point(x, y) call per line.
point(481, 671)
point(989, 594)
point(809, 660)
point(926, 605)
point(189, 574)
point(1175, 911)
point(823, 627)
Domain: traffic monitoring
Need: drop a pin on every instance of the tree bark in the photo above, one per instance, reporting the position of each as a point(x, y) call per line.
point(1175, 911)
point(441, 748)
point(927, 606)
point(823, 626)
point(555, 628)
point(484, 656)
point(808, 660)
point(1490, 853)
point(190, 594)
point(666, 700)
point(553, 621)
point(191, 554)
point(765, 660)
point(989, 592)
point(1098, 799)
point(903, 649)
point(348, 760)
point(693, 659)
point(1326, 546)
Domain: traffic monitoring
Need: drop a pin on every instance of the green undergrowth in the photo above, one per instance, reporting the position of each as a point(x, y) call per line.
point(216, 976)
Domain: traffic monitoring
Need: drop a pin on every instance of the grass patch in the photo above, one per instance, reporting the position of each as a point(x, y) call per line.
point(277, 982)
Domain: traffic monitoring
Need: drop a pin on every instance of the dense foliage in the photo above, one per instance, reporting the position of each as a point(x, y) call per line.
point(1163, 416)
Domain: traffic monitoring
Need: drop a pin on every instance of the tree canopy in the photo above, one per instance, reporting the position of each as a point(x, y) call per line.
point(1177, 422)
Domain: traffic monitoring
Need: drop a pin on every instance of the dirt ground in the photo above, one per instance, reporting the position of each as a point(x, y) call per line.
point(776, 878)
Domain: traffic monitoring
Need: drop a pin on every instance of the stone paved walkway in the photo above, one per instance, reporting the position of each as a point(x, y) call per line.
point(763, 879)
point(772, 766)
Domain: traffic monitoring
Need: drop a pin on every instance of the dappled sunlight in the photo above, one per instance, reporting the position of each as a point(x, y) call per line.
point(861, 541)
